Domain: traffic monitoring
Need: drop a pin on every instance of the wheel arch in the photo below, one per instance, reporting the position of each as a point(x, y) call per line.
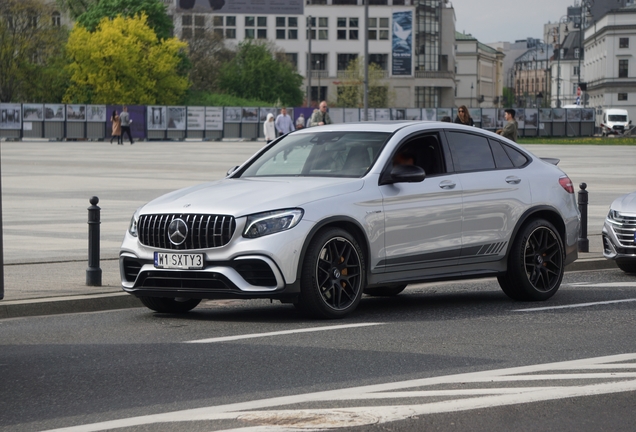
point(542, 212)
point(344, 222)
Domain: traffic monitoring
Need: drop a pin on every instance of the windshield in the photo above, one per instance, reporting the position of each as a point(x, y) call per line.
point(617, 118)
point(320, 154)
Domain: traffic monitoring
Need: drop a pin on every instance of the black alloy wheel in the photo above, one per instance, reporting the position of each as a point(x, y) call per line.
point(333, 275)
point(535, 265)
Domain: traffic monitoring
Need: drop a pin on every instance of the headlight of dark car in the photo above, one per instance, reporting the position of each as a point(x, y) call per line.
point(262, 224)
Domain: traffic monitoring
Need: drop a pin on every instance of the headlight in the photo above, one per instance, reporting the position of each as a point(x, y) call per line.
point(263, 224)
point(132, 228)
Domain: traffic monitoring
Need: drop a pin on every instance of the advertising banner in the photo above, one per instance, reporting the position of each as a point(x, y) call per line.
point(96, 113)
point(156, 118)
point(214, 118)
point(10, 116)
point(279, 7)
point(196, 118)
point(177, 118)
point(402, 44)
point(76, 113)
point(54, 112)
point(137, 115)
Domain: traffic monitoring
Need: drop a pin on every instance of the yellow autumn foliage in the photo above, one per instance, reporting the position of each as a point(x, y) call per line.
point(123, 62)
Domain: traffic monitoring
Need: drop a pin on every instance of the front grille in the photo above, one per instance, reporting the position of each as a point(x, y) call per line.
point(204, 231)
point(624, 227)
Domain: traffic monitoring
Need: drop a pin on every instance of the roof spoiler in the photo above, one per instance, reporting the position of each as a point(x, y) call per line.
point(553, 161)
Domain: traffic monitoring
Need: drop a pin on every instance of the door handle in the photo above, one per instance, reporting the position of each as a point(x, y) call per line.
point(513, 180)
point(447, 184)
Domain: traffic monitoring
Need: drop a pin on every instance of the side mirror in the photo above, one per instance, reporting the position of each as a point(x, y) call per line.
point(230, 171)
point(404, 174)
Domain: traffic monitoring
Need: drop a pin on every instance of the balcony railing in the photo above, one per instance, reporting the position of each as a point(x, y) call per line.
point(343, 74)
point(434, 74)
point(319, 74)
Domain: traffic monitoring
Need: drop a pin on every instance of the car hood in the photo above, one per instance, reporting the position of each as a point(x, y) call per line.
point(240, 197)
point(625, 203)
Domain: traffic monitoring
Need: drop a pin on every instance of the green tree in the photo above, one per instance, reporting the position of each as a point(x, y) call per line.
point(256, 72)
point(155, 10)
point(29, 46)
point(207, 55)
point(124, 62)
point(351, 90)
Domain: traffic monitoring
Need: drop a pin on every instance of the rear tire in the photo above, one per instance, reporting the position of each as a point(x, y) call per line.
point(169, 305)
point(535, 265)
point(384, 291)
point(333, 275)
point(627, 266)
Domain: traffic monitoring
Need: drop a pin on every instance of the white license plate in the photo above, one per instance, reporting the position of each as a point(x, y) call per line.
point(178, 261)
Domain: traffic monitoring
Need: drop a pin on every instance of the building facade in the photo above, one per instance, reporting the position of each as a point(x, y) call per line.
point(610, 63)
point(479, 73)
point(532, 76)
point(412, 41)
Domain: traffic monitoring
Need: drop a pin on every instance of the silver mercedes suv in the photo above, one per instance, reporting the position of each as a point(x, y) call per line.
point(619, 233)
point(322, 215)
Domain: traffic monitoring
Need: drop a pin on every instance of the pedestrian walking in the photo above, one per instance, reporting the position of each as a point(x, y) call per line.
point(510, 128)
point(321, 117)
point(284, 123)
point(463, 117)
point(269, 128)
point(125, 125)
point(116, 130)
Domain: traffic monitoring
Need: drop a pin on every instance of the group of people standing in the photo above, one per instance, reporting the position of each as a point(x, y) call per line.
point(121, 125)
point(283, 124)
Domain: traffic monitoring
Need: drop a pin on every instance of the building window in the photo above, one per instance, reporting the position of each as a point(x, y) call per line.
point(347, 28)
point(345, 2)
point(292, 58)
point(228, 30)
point(261, 33)
point(250, 21)
point(344, 60)
point(623, 42)
point(381, 60)
point(192, 26)
point(378, 28)
point(576, 70)
point(576, 53)
point(286, 28)
point(381, 2)
point(623, 66)
point(323, 28)
point(427, 97)
point(622, 96)
point(319, 62)
point(56, 19)
point(249, 33)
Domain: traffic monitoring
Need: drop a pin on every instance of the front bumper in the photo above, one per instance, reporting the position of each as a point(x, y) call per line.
point(616, 246)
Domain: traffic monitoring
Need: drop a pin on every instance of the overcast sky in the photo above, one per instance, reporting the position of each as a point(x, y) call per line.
point(507, 20)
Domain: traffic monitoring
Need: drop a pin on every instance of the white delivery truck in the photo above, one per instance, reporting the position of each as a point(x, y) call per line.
point(614, 121)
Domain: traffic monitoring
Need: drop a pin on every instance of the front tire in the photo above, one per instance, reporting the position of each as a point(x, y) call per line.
point(627, 266)
point(535, 265)
point(333, 275)
point(169, 305)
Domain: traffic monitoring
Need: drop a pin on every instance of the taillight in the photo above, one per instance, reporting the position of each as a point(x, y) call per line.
point(566, 184)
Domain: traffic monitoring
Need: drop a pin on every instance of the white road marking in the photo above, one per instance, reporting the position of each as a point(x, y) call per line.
point(577, 305)
point(603, 284)
point(279, 333)
point(259, 416)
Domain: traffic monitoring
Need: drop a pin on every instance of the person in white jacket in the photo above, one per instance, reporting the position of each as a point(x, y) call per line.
point(269, 128)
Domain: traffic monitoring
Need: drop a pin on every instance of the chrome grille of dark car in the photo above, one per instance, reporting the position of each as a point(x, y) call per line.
point(624, 227)
point(204, 231)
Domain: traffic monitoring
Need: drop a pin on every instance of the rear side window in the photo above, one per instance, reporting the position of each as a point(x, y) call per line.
point(517, 158)
point(470, 152)
point(501, 157)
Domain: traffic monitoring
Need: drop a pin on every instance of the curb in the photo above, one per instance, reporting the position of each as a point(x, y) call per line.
point(68, 304)
point(122, 300)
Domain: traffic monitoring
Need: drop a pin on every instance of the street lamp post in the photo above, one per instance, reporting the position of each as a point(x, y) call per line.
point(471, 95)
point(559, 50)
point(309, 64)
point(319, 73)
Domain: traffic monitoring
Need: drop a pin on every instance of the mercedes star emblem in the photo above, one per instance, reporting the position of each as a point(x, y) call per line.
point(177, 232)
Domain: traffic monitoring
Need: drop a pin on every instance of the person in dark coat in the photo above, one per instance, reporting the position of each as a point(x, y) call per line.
point(463, 117)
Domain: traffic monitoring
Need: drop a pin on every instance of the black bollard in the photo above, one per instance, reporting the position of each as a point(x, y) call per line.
point(584, 243)
point(93, 272)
